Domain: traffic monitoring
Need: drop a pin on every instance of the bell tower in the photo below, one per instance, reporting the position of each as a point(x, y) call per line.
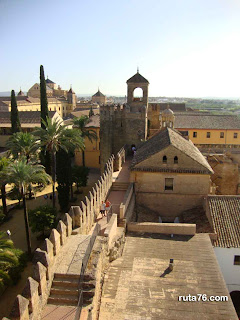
point(137, 103)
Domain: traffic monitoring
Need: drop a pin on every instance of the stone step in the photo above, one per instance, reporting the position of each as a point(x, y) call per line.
point(66, 276)
point(62, 300)
point(88, 293)
point(61, 282)
point(64, 291)
point(89, 284)
point(88, 277)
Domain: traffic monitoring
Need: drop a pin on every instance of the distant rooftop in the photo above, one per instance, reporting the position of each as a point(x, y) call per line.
point(99, 94)
point(24, 117)
point(49, 81)
point(206, 121)
point(224, 213)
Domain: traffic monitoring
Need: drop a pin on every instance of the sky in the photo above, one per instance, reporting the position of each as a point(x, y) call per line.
point(185, 48)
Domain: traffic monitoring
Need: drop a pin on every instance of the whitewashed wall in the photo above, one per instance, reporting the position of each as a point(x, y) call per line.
point(231, 272)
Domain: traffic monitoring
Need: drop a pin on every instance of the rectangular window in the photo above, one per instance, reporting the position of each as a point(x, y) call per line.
point(168, 183)
point(235, 135)
point(208, 134)
point(237, 260)
point(194, 134)
point(221, 134)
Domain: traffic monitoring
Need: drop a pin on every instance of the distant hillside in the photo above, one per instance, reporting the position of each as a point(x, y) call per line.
point(5, 94)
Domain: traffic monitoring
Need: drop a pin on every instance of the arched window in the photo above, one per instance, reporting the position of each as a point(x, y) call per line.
point(138, 94)
point(164, 159)
point(175, 159)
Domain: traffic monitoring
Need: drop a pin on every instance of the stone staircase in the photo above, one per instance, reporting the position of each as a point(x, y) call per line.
point(119, 186)
point(64, 290)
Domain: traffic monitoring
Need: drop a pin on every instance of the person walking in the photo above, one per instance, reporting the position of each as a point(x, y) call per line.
point(103, 209)
point(108, 205)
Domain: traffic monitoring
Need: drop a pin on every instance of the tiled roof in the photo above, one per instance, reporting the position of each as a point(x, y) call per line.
point(206, 121)
point(49, 81)
point(168, 137)
point(24, 116)
point(137, 78)
point(225, 217)
point(176, 107)
point(98, 94)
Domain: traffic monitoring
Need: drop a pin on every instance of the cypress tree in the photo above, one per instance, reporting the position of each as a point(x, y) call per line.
point(91, 113)
point(16, 127)
point(44, 101)
point(44, 156)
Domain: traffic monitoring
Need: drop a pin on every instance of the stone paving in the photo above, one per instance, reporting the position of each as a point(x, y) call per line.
point(70, 259)
point(139, 285)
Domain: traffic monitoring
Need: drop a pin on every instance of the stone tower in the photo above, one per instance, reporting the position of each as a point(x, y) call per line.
point(126, 124)
point(71, 97)
point(167, 118)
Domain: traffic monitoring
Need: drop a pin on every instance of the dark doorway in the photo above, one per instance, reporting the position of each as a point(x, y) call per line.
point(235, 295)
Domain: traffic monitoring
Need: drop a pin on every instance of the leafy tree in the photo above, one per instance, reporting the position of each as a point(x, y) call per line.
point(80, 176)
point(4, 162)
point(91, 112)
point(81, 123)
point(23, 144)
point(23, 174)
point(16, 127)
point(7, 259)
point(55, 137)
point(42, 218)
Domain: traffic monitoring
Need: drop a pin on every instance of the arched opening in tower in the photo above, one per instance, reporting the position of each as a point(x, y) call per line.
point(138, 94)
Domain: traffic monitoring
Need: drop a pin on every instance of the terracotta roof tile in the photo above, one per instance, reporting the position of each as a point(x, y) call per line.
point(24, 116)
point(225, 217)
point(206, 121)
point(162, 140)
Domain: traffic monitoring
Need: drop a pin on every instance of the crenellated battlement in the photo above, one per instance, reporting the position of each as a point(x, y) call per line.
point(30, 303)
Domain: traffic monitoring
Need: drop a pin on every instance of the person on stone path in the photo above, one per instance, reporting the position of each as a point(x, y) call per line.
point(108, 205)
point(103, 209)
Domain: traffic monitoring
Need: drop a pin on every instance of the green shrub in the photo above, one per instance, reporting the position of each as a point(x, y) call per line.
point(80, 175)
point(15, 271)
point(42, 218)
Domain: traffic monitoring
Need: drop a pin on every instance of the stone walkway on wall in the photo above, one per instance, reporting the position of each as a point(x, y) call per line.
point(69, 261)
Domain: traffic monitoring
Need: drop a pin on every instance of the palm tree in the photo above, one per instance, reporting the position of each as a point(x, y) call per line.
point(56, 136)
point(24, 174)
point(7, 258)
point(80, 123)
point(4, 162)
point(23, 144)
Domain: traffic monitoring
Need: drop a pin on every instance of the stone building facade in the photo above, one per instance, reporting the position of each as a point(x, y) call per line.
point(170, 174)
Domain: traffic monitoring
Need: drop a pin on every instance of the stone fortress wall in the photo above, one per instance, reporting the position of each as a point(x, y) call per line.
point(120, 126)
point(31, 302)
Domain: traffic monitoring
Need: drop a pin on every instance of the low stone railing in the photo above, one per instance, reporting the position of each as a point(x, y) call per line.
point(111, 229)
point(34, 297)
point(164, 228)
point(125, 205)
point(120, 159)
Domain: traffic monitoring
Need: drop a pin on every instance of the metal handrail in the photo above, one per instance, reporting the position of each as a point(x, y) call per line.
point(83, 268)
